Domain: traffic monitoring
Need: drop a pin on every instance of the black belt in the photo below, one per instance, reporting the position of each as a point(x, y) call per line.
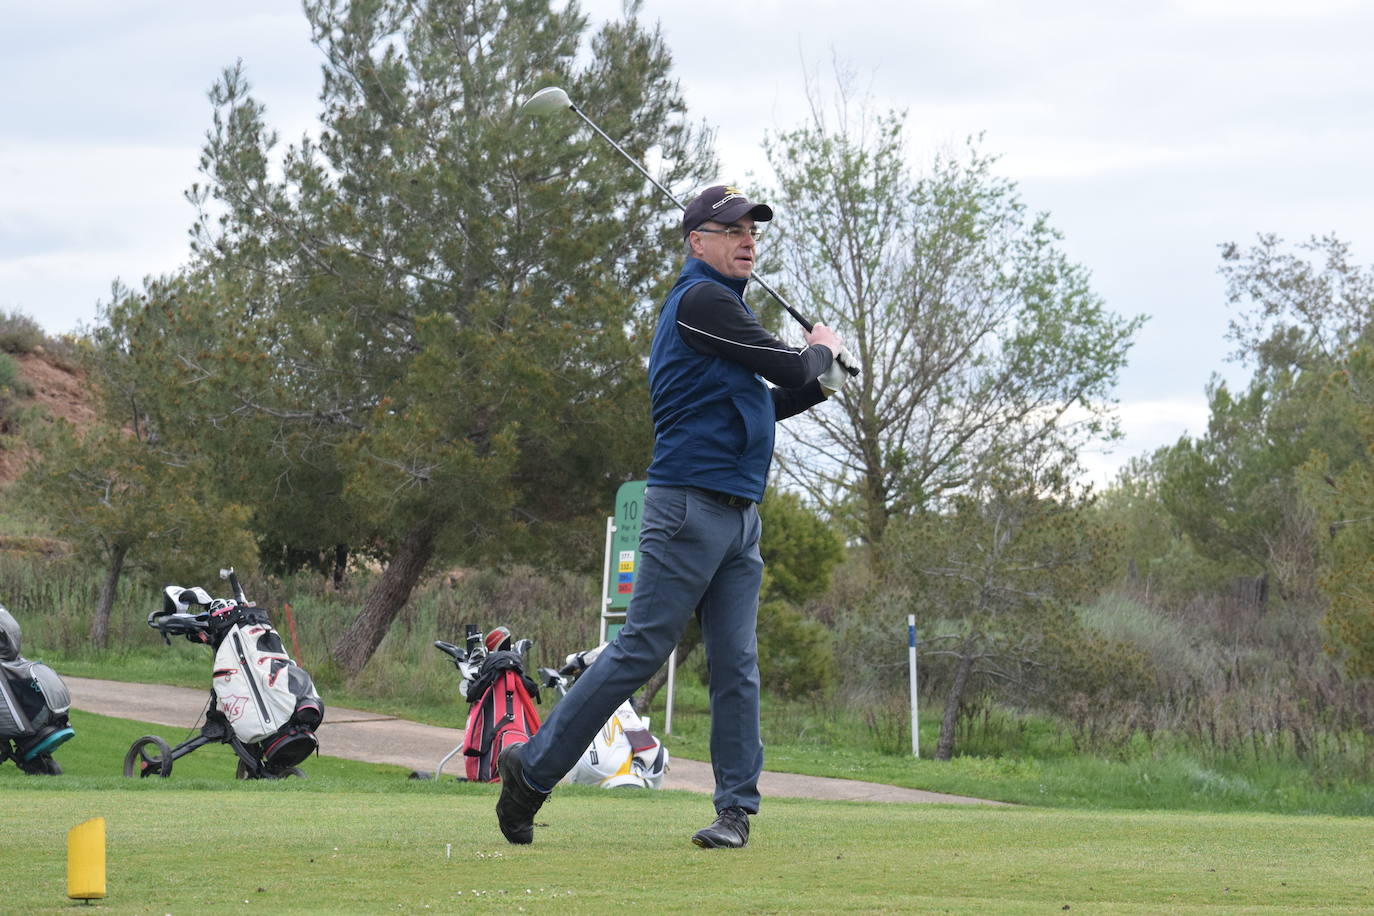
point(726, 499)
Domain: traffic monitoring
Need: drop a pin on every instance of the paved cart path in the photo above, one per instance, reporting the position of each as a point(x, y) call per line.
point(376, 738)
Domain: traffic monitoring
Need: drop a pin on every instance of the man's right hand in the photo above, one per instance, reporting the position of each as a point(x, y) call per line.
point(820, 334)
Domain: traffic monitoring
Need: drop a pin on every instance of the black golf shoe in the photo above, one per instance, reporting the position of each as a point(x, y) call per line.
point(516, 807)
point(730, 830)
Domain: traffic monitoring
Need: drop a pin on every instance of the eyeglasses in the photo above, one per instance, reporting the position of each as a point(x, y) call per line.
point(733, 232)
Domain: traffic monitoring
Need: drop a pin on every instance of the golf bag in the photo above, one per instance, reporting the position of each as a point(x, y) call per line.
point(33, 706)
point(624, 753)
point(502, 701)
point(502, 713)
point(268, 699)
point(262, 703)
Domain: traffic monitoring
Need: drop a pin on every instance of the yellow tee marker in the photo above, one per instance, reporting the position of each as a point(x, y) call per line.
point(86, 860)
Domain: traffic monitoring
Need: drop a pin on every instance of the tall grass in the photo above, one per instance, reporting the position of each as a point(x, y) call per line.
point(556, 610)
point(53, 598)
point(1239, 684)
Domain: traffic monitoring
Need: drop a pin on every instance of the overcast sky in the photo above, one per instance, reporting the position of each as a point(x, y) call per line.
point(1150, 131)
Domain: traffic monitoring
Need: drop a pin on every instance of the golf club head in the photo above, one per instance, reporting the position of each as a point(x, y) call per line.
point(546, 101)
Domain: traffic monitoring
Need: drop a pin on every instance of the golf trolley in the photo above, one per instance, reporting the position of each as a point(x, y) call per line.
point(262, 704)
point(33, 706)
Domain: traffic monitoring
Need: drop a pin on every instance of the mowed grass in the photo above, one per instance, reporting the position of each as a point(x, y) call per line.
point(428, 847)
point(362, 838)
point(95, 759)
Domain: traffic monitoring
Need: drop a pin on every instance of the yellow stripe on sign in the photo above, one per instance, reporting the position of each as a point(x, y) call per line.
point(627, 567)
point(86, 860)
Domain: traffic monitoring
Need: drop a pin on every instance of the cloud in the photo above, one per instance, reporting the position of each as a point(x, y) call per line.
point(77, 218)
point(1148, 425)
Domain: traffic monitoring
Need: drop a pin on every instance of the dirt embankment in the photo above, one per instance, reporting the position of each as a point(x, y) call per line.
point(52, 391)
point(56, 392)
point(62, 392)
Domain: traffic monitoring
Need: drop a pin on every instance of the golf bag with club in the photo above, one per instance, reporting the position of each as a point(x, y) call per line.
point(502, 699)
point(33, 706)
point(262, 703)
point(624, 754)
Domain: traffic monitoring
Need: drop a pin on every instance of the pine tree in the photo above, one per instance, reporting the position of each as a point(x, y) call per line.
point(429, 321)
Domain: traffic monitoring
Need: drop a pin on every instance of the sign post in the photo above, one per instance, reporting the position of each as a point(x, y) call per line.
point(605, 582)
point(621, 571)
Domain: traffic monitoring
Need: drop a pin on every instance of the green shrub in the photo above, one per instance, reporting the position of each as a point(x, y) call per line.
point(65, 352)
point(10, 378)
point(12, 385)
point(866, 626)
point(19, 333)
point(795, 657)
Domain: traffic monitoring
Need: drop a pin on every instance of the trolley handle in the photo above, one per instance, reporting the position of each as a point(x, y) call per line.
point(454, 652)
point(178, 624)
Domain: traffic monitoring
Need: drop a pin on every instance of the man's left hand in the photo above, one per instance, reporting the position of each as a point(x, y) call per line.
point(847, 361)
point(833, 378)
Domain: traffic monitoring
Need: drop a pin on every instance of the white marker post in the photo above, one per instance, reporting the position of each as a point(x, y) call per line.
point(911, 657)
point(668, 709)
point(606, 582)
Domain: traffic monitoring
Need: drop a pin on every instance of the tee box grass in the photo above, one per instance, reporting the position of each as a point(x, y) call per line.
point(435, 848)
point(362, 838)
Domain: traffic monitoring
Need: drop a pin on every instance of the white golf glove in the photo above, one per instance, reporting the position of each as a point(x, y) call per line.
point(847, 360)
point(833, 379)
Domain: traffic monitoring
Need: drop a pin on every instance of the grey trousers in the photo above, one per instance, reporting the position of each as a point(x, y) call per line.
point(695, 555)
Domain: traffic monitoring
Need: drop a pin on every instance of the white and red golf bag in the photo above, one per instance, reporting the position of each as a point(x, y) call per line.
point(268, 700)
point(266, 696)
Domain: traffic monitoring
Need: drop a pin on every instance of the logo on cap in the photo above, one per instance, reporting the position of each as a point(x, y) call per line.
point(730, 194)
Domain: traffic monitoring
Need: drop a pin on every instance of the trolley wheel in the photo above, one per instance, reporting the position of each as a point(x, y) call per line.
point(138, 763)
point(41, 765)
point(243, 772)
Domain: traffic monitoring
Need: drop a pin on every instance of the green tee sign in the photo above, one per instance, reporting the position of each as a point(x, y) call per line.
point(624, 565)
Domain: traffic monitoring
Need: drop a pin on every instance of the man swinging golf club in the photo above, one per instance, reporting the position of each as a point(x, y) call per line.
point(699, 537)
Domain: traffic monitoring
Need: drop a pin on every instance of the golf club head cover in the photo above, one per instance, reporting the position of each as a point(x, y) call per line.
point(179, 600)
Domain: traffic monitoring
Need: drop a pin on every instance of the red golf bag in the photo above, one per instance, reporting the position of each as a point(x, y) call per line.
point(502, 713)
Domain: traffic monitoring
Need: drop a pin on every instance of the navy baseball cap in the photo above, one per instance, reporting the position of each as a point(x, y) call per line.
point(723, 204)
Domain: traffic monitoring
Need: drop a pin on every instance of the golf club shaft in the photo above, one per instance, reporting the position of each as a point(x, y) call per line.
point(669, 194)
point(630, 159)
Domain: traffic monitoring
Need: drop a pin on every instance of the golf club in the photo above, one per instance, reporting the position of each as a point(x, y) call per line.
point(552, 99)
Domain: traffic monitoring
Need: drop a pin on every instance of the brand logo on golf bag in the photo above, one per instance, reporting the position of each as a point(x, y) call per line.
point(232, 706)
point(611, 730)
